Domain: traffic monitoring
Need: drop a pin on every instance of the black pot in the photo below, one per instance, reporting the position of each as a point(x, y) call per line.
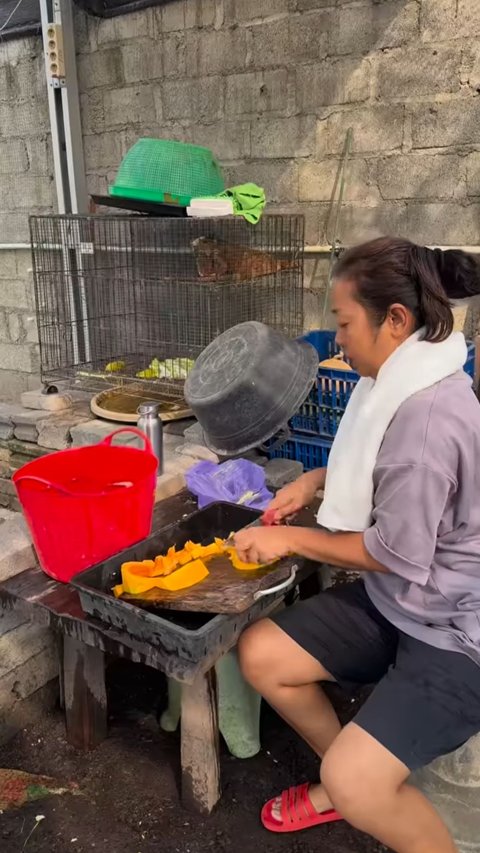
point(247, 384)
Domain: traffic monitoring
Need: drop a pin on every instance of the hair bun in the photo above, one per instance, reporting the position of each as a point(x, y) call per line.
point(459, 272)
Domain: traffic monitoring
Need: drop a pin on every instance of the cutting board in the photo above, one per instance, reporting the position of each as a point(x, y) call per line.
point(225, 590)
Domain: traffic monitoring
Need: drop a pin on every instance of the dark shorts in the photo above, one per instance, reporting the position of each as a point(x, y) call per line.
point(426, 702)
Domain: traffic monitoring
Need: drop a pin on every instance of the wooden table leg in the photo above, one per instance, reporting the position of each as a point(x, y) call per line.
point(61, 676)
point(200, 744)
point(85, 694)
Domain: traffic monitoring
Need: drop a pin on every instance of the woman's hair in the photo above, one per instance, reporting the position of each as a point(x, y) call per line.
point(391, 270)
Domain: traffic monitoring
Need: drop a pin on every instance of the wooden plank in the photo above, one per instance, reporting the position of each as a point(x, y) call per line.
point(200, 745)
point(225, 590)
point(85, 694)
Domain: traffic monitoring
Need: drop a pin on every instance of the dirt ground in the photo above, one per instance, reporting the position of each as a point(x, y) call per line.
point(128, 787)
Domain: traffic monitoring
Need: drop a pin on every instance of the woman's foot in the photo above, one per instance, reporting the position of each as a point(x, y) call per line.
point(317, 796)
point(294, 811)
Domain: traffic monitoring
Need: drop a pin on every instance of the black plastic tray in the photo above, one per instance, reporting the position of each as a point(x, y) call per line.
point(190, 637)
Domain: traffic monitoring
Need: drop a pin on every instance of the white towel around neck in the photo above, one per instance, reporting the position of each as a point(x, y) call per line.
point(414, 366)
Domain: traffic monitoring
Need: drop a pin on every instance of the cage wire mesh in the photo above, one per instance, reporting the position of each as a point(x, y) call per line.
point(132, 301)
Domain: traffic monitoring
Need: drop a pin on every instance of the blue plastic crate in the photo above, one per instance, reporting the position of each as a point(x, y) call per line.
point(311, 452)
point(322, 411)
point(470, 362)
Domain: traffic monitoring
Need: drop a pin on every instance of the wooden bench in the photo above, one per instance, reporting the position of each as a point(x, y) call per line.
point(84, 644)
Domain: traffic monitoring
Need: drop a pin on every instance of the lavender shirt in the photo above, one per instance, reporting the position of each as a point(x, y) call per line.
point(426, 528)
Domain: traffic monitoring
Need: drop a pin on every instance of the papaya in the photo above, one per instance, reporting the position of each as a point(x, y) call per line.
point(182, 578)
point(188, 575)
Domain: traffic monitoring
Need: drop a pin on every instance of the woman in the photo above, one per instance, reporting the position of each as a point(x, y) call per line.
point(402, 507)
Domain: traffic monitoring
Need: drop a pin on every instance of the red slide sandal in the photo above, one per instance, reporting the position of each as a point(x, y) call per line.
point(297, 812)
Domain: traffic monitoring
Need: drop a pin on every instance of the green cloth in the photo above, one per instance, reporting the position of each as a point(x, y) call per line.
point(248, 201)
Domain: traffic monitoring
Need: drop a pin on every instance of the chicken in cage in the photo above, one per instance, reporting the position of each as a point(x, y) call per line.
point(131, 301)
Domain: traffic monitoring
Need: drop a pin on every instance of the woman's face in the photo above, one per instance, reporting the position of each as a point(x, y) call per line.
point(365, 345)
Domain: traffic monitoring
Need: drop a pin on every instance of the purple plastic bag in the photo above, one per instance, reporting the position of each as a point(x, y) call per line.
point(237, 481)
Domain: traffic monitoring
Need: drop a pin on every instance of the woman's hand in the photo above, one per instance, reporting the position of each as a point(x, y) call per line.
point(263, 544)
point(295, 496)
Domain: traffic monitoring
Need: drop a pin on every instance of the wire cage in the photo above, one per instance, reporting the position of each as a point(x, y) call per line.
point(130, 299)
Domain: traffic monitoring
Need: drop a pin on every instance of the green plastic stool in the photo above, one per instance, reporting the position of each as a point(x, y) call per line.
point(238, 708)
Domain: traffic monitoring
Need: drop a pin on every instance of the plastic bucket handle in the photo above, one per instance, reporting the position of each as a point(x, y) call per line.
point(138, 432)
point(107, 442)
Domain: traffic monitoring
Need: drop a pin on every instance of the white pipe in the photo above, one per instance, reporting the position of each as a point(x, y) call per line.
point(309, 250)
point(14, 247)
point(325, 250)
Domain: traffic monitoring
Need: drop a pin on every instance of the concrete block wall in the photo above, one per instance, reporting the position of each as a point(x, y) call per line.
point(28, 652)
point(272, 86)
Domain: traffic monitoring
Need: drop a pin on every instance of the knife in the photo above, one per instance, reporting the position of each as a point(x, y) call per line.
point(265, 520)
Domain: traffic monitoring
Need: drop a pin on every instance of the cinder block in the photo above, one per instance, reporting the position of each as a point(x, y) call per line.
point(124, 27)
point(404, 74)
point(434, 176)
point(291, 39)
point(222, 51)
point(198, 99)
point(8, 266)
point(45, 402)
point(452, 784)
point(16, 357)
point(359, 223)
point(438, 20)
point(15, 327)
point(283, 137)
point(452, 123)
point(177, 61)
point(374, 129)
point(172, 16)
point(468, 19)
point(473, 174)
point(10, 619)
point(364, 28)
point(55, 431)
point(13, 157)
point(240, 11)
point(20, 645)
point(197, 452)
point(317, 180)
point(330, 82)
point(40, 161)
point(259, 92)
point(104, 150)
point(93, 111)
point(93, 431)
point(13, 228)
point(26, 191)
point(101, 68)
point(142, 61)
point(33, 674)
point(229, 140)
point(307, 5)
point(128, 106)
point(443, 223)
point(13, 293)
point(17, 553)
point(18, 119)
point(279, 178)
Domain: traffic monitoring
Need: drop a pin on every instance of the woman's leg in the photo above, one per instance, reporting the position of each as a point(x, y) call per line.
point(341, 631)
point(367, 784)
point(287, 677)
